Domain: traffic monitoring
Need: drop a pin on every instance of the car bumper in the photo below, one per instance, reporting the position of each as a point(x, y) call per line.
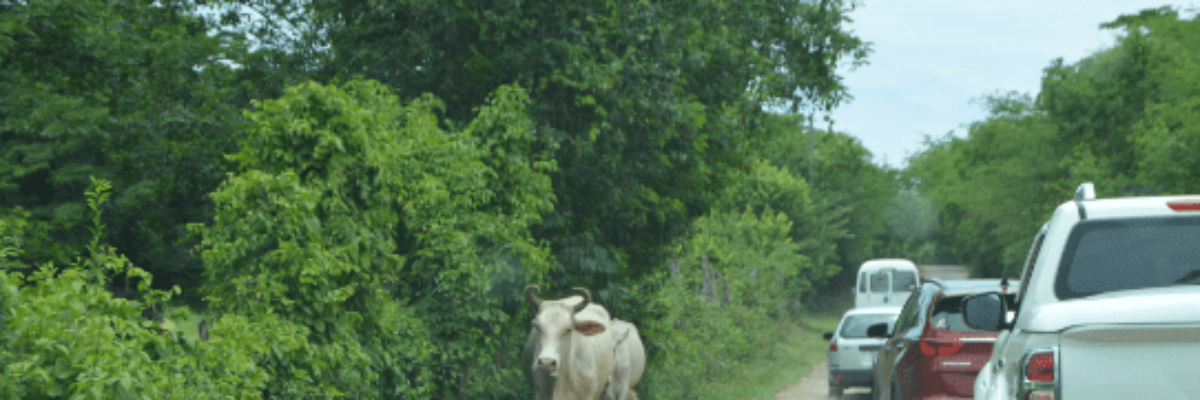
point(850, 377)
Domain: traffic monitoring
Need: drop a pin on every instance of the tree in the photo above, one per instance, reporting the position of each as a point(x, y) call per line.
point(384, 236)
point(646, 105)
point(62, 332)
point(137, 92)
point(850, 193)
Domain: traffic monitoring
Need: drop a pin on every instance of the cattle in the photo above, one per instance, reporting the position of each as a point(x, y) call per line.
point(570, 347)
point(628, 363)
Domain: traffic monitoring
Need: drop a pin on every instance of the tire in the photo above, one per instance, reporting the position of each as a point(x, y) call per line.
point(874, 391)
point(895, 393)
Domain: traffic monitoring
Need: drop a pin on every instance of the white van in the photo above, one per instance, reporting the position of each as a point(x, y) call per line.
point(885, 283)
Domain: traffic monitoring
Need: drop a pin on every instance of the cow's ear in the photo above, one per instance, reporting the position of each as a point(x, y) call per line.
point(590, 328)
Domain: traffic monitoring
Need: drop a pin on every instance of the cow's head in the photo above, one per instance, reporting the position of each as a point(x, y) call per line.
point(557, 325)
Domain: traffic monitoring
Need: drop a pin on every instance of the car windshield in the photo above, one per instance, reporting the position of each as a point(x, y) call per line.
point(1110, 255)
point(855, 326)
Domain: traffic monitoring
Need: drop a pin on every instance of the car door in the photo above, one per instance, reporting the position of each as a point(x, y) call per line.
point(905, 341)
point(894, 348)
point(908, 368)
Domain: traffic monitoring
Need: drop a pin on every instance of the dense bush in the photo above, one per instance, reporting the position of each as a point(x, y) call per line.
point(63, 333)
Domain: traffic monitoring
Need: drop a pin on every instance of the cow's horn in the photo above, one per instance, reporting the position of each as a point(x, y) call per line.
point(587, 299)
point(532, 297)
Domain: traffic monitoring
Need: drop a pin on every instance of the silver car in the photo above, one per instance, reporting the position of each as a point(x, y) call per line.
point(851, 352)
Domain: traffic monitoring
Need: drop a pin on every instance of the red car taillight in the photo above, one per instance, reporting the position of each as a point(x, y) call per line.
point(930, 348)
point(1040, 367)
point(833, 345)
point(1040, 381)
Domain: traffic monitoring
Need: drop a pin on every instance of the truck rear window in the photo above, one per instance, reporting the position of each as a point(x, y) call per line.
point(1109, 255)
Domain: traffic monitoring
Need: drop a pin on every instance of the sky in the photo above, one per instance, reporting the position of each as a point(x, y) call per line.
point(931, 58)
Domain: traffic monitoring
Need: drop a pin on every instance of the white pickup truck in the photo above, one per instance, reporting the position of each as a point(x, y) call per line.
point(1108, 307)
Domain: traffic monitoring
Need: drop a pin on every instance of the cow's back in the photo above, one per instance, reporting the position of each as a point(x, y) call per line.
point(637, 356)
point(630, 360)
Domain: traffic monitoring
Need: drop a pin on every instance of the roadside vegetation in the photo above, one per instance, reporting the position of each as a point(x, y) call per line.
point(1124, 118)
point(351, 195)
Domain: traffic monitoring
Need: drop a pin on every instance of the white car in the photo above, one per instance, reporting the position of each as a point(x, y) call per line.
point(1108, 307)
point(851, 353)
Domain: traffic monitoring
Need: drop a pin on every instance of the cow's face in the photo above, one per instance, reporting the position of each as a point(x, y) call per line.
point(556, 326)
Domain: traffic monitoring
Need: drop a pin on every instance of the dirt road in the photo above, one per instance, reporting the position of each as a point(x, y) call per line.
point(815, 386)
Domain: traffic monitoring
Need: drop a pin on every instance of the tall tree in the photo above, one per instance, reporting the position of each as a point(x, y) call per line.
point(397, 245)
point(135, 91)
point(646, 105)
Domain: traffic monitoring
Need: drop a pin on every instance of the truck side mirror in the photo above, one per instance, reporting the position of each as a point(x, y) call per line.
point(828, 335)
point(986, 311)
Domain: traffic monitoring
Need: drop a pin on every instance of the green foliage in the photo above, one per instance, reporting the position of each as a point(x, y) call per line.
point(364, 244)
point(137, 92)
point(850, 193)
point(767, 189)
point(758, 244)
point(363, 221)
point(755, 255)
point(685, 359)
point(644, 105)
point(1122, 118)
point(62, 333)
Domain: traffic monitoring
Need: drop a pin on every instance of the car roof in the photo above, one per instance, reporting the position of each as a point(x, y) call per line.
point(888, 262)
point(1126, 207)
point(874, 310)
point(971, 286)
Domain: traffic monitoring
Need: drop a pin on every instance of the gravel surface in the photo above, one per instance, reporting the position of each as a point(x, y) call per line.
point(815, 386)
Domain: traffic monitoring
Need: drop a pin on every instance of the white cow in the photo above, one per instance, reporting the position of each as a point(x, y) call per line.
point(570, 348)
point(629, 362)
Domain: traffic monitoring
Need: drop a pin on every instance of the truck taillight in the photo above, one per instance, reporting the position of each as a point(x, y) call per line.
point(1040, 367)
point(833, 345)
point(1039, 382)
point(1185, 205)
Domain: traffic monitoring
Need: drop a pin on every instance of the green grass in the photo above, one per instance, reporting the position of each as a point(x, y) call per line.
point(790, 359)
point(189, 326)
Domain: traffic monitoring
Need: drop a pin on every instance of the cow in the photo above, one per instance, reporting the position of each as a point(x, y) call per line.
point(628, 363)
point(570, 347)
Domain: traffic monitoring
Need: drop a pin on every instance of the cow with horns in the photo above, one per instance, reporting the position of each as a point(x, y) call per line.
point(570, 347)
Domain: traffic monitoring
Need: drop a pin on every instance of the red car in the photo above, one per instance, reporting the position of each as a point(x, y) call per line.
point(932, 354)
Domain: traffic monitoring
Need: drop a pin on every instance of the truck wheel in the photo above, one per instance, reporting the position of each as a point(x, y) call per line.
point(835, 391)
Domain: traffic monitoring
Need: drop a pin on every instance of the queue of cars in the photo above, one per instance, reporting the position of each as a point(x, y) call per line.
point(1107, 307)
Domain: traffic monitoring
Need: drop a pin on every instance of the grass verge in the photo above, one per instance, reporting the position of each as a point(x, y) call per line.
point(790, 359)
point(189, 326)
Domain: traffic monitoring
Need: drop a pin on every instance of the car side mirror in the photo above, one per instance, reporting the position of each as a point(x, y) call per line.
point(986, 311)
point(879, 330)
point(828, 335)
